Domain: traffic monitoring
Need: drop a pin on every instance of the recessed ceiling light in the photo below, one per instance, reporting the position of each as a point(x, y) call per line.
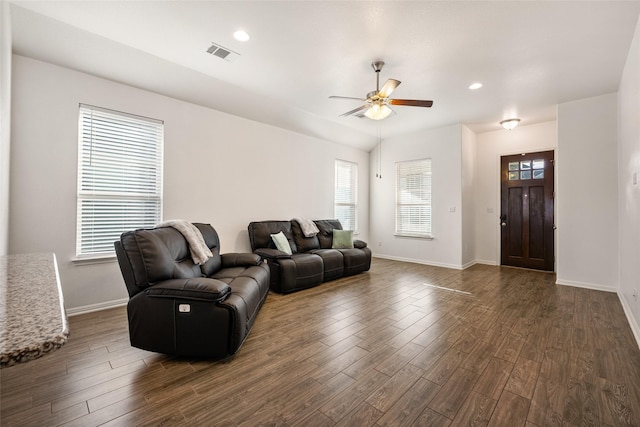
point(241, 36)
point(476, 85)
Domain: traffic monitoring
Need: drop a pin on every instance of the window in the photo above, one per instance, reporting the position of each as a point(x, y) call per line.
point(526, 169)
point(119, 177)
point(346, 194)
point(413, 198)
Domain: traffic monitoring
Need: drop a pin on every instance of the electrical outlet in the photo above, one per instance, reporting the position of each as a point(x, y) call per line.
point(379, 243)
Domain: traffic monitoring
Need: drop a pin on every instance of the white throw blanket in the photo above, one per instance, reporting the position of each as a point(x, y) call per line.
point(200, 252)
point(309, 228)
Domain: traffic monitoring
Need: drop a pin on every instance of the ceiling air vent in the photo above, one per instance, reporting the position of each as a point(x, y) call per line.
point(223, 52)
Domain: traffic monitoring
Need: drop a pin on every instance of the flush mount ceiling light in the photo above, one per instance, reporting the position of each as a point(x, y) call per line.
point(241, 36)
point(509, 124)
point(475, 86)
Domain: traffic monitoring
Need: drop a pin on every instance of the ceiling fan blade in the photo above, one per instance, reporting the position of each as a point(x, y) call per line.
point(347, 97)
point(389, 86)
point(411, 102)
point(355, 110)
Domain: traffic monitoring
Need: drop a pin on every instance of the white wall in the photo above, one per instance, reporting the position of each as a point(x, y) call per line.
point(628, 192)
point(587, 193)
point(490, 146)
point(443, 146)
point(468, 209)
point(5, 122)
point(219, 168)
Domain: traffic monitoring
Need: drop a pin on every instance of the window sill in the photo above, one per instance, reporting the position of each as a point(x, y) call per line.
point(415, 236)
point(88, 260)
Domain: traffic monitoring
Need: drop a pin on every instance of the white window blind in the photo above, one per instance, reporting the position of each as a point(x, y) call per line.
point(119, 177)
point(346, 194)
point(413, 198)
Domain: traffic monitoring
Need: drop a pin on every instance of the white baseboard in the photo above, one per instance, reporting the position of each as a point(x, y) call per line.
point(419, 261)
point(486, 262)
point(594, 286)
point(635, 328)
point(469, 264)
point(75, 311)
point(434, 264)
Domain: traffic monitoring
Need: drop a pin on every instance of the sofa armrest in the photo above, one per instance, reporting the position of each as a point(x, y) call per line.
point(359, 244)
point(269, 253)
point(197, 289)
point(231, 260)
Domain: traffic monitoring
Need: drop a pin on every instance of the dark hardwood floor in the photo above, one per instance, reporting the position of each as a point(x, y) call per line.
point(404, 344)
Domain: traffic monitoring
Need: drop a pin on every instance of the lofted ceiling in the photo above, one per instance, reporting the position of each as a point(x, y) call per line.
point(529, 56)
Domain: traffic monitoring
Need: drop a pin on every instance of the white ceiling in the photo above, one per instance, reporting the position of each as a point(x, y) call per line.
point(530, 56)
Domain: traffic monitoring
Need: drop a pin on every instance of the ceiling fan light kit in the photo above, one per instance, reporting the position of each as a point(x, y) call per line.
point(378, 111)
point(509, 124)
point(377, 102)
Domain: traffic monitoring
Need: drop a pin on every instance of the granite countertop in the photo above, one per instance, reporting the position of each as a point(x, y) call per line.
point(32, 316)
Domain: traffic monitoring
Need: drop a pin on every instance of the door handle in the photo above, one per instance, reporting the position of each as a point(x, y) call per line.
point(503, 220)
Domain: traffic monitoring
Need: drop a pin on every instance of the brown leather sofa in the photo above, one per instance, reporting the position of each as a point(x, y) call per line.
point(313, 261)
point(179, 307)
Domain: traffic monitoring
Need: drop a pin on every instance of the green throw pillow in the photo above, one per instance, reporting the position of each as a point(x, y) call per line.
point(342, 239)
point(281, 242)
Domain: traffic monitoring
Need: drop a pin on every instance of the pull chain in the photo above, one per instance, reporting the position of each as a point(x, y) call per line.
point(379, 174)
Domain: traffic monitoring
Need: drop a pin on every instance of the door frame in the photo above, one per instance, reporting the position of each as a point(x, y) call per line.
point(498, 201)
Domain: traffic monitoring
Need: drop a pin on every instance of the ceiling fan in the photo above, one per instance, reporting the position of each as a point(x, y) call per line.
point(377, 102)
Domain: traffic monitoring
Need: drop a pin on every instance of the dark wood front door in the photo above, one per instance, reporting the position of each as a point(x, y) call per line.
point(526, 217)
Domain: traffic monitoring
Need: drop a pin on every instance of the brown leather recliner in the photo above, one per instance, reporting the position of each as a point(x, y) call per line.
point(313, 261)
point(179, 307)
